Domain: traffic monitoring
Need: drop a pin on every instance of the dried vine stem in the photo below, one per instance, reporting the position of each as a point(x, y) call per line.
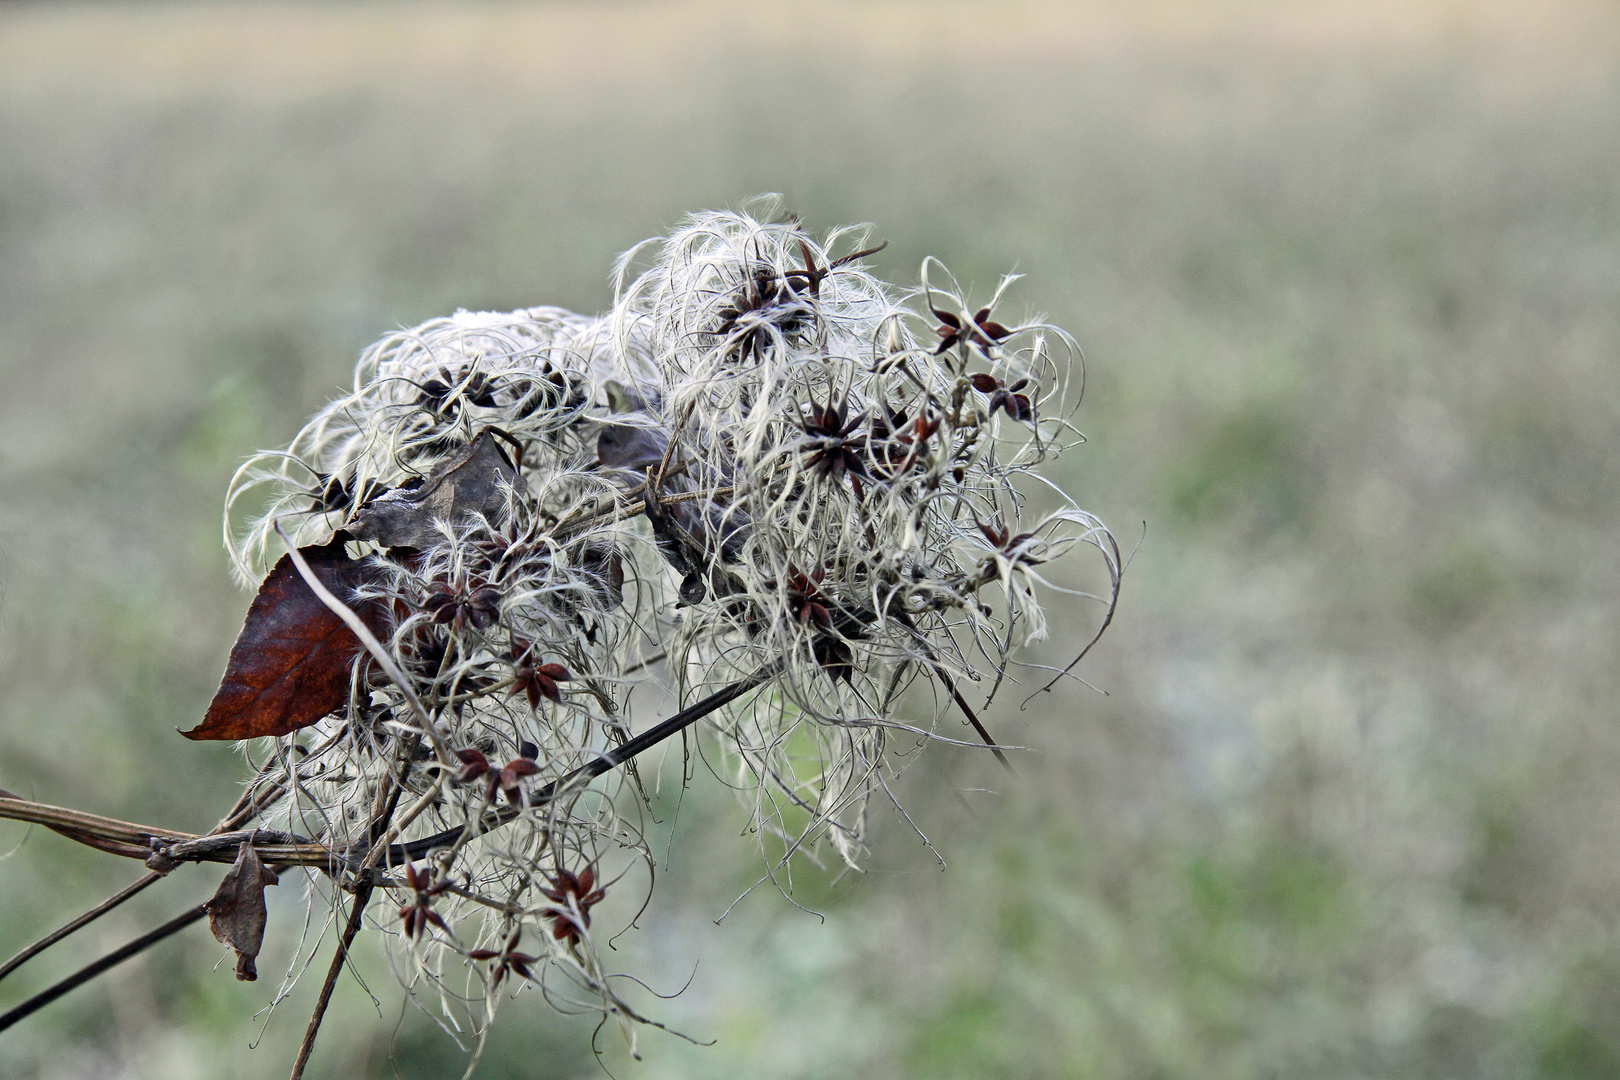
point(246, 806)
point(137, 841)
point(323, 858)
point(111, 960)
point(34, 949)
point(106, 963)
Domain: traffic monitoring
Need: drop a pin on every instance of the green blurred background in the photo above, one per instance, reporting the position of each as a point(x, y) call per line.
point(1348, 277)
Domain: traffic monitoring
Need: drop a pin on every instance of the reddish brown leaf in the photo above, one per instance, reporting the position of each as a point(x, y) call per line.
point(290, 664)
point(237, 913)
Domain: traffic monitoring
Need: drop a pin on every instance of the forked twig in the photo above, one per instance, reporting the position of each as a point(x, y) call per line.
point(112, 959)
point(328, 858)
point(81, 922)
point(246, 806)
point(139, 841)
point(117, 956)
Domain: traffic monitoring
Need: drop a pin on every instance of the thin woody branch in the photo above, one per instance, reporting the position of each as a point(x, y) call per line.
point(67, 929)
point(245, 808)
point(276, 848)
point(111, 960)
point(143, 841)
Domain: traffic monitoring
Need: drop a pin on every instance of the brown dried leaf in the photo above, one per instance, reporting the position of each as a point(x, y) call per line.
point(290, 664)
point(467, 484)
point(237, 913)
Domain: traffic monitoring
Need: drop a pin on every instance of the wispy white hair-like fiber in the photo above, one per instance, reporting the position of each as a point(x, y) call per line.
point(764, 468)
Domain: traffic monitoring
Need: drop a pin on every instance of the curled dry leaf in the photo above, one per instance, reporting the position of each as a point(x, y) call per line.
point(472, 482)
point(290, 664)
point(237, 913)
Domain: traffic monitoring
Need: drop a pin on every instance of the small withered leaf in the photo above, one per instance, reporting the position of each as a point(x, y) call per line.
point(290, 664)
point(237, 913)
point(468, 484)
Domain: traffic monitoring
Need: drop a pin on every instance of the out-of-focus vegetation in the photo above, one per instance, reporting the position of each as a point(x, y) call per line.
point(1349, 281)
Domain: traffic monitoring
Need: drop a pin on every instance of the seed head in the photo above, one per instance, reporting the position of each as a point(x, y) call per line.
point(763, 466)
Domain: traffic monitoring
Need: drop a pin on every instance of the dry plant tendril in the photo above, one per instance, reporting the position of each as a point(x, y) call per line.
point(764, 467)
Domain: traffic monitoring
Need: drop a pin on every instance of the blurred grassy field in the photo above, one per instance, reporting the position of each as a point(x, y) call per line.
point(1348, 277)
